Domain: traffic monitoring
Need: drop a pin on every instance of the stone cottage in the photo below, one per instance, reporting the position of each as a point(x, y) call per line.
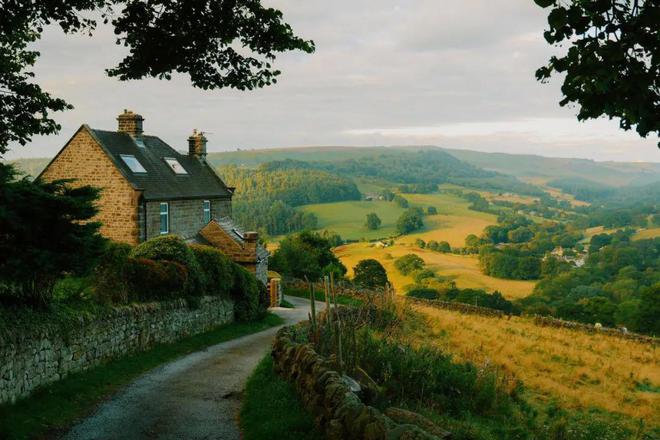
point(150, 189)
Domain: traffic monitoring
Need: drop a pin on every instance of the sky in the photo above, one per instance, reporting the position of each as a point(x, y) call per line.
point(385, 72)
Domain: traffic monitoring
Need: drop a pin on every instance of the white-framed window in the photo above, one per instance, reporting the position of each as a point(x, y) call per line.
point(132, 163)
point(164, 218)
point(206, 206)
point(175, 165)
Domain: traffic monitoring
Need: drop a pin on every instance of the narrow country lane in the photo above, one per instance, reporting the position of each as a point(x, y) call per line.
point(195, 397)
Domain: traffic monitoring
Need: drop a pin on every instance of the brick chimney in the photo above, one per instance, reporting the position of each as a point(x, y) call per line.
point(251, 238)
point(130, 123)
point(197, 145)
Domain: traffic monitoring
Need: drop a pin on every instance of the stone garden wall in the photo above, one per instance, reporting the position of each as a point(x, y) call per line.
point(337, 410)
point(45, 353)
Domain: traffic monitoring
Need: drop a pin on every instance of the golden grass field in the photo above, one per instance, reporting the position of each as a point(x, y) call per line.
point(554, 192)
point(463, 269)
point(577, 369)
point(646, 233)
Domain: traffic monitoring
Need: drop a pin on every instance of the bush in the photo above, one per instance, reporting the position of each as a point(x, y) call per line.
point(423, 292)
point(173, 248)
point(223, 277)
point(217, 270)
point(249, 295)
point(150, 280)
point(409, 263)
point(370, 274)
point(110, 284)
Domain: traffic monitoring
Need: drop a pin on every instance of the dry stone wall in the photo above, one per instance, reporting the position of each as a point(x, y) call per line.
point(37, 356)
point(337, 411)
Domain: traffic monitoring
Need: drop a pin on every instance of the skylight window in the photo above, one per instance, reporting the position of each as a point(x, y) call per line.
point(175, 165)
point(132, 163)
point(139, 142)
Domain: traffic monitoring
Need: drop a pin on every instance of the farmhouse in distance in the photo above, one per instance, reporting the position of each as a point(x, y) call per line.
point(150, 189)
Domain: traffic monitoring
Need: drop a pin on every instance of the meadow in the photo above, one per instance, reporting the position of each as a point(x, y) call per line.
point(462, 269)
point(348, 218)
point(557, 366)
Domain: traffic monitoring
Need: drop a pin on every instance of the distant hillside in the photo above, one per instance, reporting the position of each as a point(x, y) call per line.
point(518, 165)
point(31, 167)
point(605, 173)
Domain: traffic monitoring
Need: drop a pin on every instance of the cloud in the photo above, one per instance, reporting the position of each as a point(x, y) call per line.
point(419, 71)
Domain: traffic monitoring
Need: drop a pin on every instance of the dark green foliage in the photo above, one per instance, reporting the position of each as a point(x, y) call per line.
point(418, 188)
point(409, 221)
point(217, 270)
point(152, 280)
point(387, 195)
point(442, 246)
point(173, 248)
point(266, 197)
point(648, 311)
point(509, 263)
point(611, 67)
point(409, 263)
point(159, 44)
point(306, 254)
point(44, 232)
point(420, 243)
point(223, 277)
point(423, 292)
point(110, 285)
point(373, 221)
point(477, 202)
point(370, 274)
point(431, 210)
point(616, 286)
point(249, 295)
point(401, 201)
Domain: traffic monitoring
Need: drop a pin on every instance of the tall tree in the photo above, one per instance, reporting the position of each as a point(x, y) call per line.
point(612, 66)
point(199, 38)
point(370, 274)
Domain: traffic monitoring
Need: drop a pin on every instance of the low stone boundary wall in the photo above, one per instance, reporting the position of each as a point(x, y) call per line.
point(456, 306)
point(338, 412)
point(37, 356)
point(545, 321)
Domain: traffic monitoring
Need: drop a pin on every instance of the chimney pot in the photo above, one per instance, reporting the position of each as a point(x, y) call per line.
point(129, 122)
point(197, 145)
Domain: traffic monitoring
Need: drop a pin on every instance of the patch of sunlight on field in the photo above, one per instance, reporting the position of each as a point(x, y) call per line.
point(454, 221)
point(462, 269)
point(646, 233)
point(579, 370)
point(348, 218)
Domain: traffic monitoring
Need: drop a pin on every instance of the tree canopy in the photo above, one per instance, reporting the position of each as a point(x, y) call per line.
point(612, 67)
point(370, 274)
point(216, 43)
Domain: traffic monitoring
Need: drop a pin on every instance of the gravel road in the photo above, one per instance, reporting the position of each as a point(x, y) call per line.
point(195, 397)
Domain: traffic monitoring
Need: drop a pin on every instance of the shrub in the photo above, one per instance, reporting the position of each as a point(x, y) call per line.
point(370, 274)
point(173, 248)
point(249, 295)
point(110, 284)
point(217, 270)
point(423, 292)
point(409, 263)
point(71, 288)
point(152, 280)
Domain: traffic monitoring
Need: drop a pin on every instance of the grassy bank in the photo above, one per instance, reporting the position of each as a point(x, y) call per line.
point(272, 410)
point(52, 409)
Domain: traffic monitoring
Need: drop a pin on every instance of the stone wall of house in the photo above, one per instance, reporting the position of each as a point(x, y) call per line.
point(337, 410)
point(36, 356)
point(186, 216)
point(84, 160)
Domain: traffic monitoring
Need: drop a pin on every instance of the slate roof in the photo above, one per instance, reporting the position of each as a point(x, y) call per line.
point(160, 182)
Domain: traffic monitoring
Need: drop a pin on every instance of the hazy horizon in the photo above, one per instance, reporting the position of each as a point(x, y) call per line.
point(386, 72)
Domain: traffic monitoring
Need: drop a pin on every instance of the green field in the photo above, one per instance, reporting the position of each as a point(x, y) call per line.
point(348, 218)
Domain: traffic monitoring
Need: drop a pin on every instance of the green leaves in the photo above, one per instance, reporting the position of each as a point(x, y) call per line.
point(612, 67)
point(544, 3)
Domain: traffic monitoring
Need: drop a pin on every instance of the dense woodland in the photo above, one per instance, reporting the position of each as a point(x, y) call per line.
point(265, 197)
